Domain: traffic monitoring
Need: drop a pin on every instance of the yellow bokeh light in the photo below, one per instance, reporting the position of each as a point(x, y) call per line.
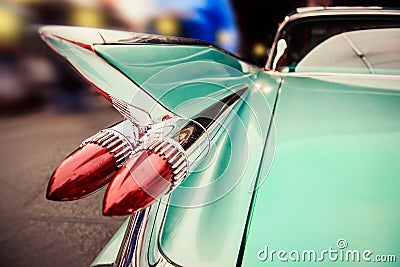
point(10, 26)
point(167, 26)
point(87, 18)
point(259, 50)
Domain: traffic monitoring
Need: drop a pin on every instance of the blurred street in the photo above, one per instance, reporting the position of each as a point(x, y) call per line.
point(33, 230)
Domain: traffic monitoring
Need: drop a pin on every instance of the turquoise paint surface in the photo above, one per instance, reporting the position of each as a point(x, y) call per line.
point(210, 234)
point(335, 174)
point(185, 79)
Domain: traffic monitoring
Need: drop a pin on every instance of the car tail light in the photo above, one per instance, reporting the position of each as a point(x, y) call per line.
point(90, 167)
point(142, 165)
point(153, 171)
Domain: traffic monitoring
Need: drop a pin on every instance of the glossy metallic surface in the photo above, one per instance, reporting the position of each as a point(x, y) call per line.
point(93, 164)
point(145, 177)
point(83, 172)
point(335, 173)
point(114, 142)
point(208, 76)
point(214, 237)
point(110, 82)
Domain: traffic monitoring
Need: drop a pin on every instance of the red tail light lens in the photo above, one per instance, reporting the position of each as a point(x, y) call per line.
point(147, 176)
point(90, 167)
point(87, 169)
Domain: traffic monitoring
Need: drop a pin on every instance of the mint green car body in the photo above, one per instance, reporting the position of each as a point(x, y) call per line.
point(325, 169)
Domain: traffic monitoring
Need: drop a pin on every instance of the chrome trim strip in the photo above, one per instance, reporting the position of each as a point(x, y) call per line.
point(165, 146)
point(132, 245)
point(341, 12)
point(115, 142)
point(160, 146)
point(128, 245)
point(325, 12)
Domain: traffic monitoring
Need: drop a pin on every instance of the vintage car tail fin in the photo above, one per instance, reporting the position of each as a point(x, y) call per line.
point(147, 76)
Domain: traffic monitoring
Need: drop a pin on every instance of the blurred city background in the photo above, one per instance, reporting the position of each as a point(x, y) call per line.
point(46, 109)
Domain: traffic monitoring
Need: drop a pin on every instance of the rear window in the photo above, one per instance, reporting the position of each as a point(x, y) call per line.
point(335, 44)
